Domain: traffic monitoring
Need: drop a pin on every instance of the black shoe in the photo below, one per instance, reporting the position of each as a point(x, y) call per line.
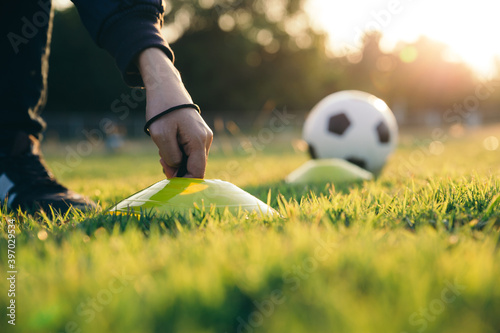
point(26, 182)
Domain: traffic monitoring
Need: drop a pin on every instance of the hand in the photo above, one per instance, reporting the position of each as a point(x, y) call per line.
point(181, 128)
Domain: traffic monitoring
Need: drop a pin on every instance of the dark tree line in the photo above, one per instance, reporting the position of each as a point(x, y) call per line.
point(245, 55)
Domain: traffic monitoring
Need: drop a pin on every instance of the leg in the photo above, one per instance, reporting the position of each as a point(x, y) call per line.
point(27, 25)
point(25, 181)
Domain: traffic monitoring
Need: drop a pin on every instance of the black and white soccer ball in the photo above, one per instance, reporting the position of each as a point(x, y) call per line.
point(354, 126)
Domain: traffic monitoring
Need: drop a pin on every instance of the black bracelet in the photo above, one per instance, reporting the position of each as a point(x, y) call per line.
point(182, 106)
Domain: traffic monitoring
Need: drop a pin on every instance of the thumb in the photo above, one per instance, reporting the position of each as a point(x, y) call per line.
point(167, 170)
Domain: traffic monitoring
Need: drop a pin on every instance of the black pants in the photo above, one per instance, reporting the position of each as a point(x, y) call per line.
point(26, 28)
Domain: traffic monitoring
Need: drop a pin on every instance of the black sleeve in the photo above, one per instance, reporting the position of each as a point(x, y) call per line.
point(125, 28)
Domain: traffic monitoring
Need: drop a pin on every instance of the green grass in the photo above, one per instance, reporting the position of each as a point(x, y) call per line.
point(414, 251)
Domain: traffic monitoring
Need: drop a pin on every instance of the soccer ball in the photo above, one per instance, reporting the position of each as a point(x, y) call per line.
point(354, 126)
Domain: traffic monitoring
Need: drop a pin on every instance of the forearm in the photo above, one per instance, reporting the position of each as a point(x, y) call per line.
point(182, 136)
point(164, 87)
point(130, 32)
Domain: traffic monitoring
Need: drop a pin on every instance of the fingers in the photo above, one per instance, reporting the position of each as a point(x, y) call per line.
point(196, 163)
point(169, 172)
point(197, 152)
point(179, 135)
point(164, 135)
point(208, 143)
point(196, 138)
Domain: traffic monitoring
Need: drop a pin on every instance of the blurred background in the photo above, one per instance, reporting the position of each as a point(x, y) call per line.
point(435, 64)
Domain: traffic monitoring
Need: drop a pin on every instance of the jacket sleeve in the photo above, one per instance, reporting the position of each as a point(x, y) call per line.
point(125, 28)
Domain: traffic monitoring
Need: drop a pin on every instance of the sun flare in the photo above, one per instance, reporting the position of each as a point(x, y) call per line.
point(468, 28)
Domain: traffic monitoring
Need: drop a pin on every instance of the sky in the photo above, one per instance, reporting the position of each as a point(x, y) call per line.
point(469, 28)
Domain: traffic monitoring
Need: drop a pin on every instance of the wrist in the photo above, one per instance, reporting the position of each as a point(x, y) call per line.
point(172, 109)
point(164, 87)
point(156, 68)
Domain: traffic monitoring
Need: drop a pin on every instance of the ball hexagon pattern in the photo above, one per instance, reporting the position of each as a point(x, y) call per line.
point(339, 123)
point(354, 126)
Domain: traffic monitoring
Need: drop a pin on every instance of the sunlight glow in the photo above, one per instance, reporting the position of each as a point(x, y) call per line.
point(469, 28)
point(61, 4)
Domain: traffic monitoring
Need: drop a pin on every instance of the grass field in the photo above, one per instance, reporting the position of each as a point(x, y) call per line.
point(414, 251)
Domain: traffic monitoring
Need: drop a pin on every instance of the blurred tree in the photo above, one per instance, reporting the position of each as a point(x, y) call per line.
point(418, 74)
point(254, 55)
point(82, 76)
point(427, 79)
point(238, 55)
point(242, 54)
